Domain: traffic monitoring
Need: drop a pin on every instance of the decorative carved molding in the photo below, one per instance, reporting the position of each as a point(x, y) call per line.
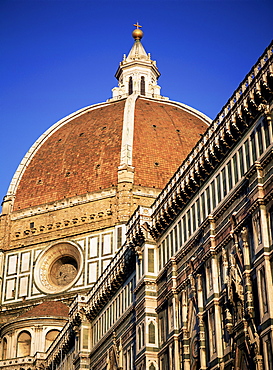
point(248, 102)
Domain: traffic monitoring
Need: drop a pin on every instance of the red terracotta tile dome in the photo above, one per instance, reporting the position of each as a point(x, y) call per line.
point(49, 308)
point(81, 153)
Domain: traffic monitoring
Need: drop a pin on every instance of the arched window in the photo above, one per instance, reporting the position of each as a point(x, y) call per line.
point(139, 337)
point(23, 344)
point(151, 333)
point(263, 290)
point(142, 85)
point(4, 349)
point(50, 337)
point(130, 86)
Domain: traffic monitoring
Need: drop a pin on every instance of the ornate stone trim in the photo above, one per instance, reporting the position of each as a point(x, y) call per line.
point(58, 267)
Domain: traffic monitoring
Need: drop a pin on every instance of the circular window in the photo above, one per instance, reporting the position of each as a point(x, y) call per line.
point(58, 267)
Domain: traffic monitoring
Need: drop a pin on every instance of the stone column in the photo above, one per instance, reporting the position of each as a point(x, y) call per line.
point(39, 339)
point(264, 230)
point(175, 308)
point(202, 337)
point(83, 344)
point(185, 334)
point(146, 292)
point(246, 273)
point(215, 287)
point(175, 305)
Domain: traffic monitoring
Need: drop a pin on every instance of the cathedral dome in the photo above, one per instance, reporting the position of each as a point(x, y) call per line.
point(83, 152)
point(137, 130)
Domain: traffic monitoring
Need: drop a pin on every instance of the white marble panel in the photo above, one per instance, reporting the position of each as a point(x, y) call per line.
point(25, 261)
point(12, 264)
point(92, 272)
point(93, 246)
point(23, 286)
point(10, 288)
point(107, 243)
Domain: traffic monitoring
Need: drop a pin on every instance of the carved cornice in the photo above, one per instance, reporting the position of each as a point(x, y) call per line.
point(64, 223)
point(247, 103)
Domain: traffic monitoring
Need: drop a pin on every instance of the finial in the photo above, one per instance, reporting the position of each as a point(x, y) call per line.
point(137, 33)
point(137, 25)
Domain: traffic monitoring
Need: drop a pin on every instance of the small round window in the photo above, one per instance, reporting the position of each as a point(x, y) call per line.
point(58, 267)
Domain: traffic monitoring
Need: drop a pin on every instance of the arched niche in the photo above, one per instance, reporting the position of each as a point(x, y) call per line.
point(142, 85)
point(51, 335)
point(23, 344)
point(4, 349)
point(130, 88)
point(151, 332)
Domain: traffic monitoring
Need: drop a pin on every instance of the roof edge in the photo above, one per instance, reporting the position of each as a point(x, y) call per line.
point(185, 107)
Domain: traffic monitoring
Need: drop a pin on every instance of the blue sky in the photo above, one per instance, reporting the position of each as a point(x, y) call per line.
point(58, 56)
